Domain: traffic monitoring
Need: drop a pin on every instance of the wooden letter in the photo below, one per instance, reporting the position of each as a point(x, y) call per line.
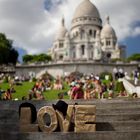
point(40, 117)
point(85, 118)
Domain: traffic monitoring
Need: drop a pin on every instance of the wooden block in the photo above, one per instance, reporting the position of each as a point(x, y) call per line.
point(63, 123)
point(85, 109)
point(60, 119)
point(85, 128)
point(29, 128)
point(85, 118)
point(25, 115)
point(40, 118)
point(66, 125)
point(69, 112)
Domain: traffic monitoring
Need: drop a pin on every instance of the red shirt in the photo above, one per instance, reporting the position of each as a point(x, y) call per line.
point(78, 93)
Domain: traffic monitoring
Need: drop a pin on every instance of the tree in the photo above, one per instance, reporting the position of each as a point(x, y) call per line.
point(13, 56)
point(27, 58)
point(134, 57)
point(8, 53)
point(36, 58)
point(42, 57)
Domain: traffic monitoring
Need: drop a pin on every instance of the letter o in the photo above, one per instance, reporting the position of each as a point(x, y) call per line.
point(40, 117)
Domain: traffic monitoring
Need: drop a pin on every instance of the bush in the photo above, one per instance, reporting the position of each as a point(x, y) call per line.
point(5, 80)
point(103, 74)
point(34, 79)
point(105, 95)
point(119, 86)
point(75, 75)
point(47, 76)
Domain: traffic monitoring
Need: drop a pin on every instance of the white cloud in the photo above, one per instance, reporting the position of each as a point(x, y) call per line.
point(136, 31)
point(123, 15)
point(33, 28)
point(21, 20)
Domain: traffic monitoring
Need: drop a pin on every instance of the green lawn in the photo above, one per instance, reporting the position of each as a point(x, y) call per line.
point(52, 94)
point(23, 90)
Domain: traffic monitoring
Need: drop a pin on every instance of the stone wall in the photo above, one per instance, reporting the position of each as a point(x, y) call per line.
point(83, 67)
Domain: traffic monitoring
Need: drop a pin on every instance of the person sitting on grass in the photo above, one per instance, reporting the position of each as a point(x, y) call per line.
point(60, 96)
point(7, 95)
point(78, 92)
point(58, 85)
point(123, 93)
point(39, 95)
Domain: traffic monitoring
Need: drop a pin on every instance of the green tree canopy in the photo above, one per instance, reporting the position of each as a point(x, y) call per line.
point(7, 53)
point(27, 58)
point(134, 57)
point(36, 58)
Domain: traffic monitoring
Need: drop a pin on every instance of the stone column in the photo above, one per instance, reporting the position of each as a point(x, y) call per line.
point(78, 52)
point(70, 53)
point(87, 55)
point(67, 49)
point(111, 43)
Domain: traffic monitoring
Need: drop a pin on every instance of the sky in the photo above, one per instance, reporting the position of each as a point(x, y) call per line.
point(33, 24)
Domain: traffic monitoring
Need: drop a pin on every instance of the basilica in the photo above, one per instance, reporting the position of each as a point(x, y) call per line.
point(87, 38)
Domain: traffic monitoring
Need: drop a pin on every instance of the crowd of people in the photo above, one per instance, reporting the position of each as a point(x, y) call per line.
point(90, 87)
point(80, 86)
point(37, 92)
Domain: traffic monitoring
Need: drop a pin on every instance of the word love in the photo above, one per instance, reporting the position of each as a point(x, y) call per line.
point(83, 117)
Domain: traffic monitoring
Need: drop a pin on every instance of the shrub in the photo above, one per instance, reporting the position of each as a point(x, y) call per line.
point(103, 74)
point(5, 80)
point(119, 86)
point(34, 79)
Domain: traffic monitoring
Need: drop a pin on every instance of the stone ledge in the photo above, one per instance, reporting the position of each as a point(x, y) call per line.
point(106, 135)
point(103, 103)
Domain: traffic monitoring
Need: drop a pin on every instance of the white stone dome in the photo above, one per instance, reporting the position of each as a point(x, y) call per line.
point(86, 8)
point(67, 34)
point(108, 31)
point(62, 31)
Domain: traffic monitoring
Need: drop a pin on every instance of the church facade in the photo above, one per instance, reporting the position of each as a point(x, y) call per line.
point(87, 38)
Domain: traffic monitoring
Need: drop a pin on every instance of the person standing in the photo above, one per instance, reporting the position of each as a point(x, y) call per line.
point(136, 77)
point(115, 73)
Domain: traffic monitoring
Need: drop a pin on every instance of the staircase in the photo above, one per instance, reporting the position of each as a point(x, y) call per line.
point(130, 88)
point(116, 119)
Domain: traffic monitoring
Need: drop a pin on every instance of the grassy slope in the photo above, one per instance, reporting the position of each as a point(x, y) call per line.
point(52, 94)
point(49, 95)
point(24, 90)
